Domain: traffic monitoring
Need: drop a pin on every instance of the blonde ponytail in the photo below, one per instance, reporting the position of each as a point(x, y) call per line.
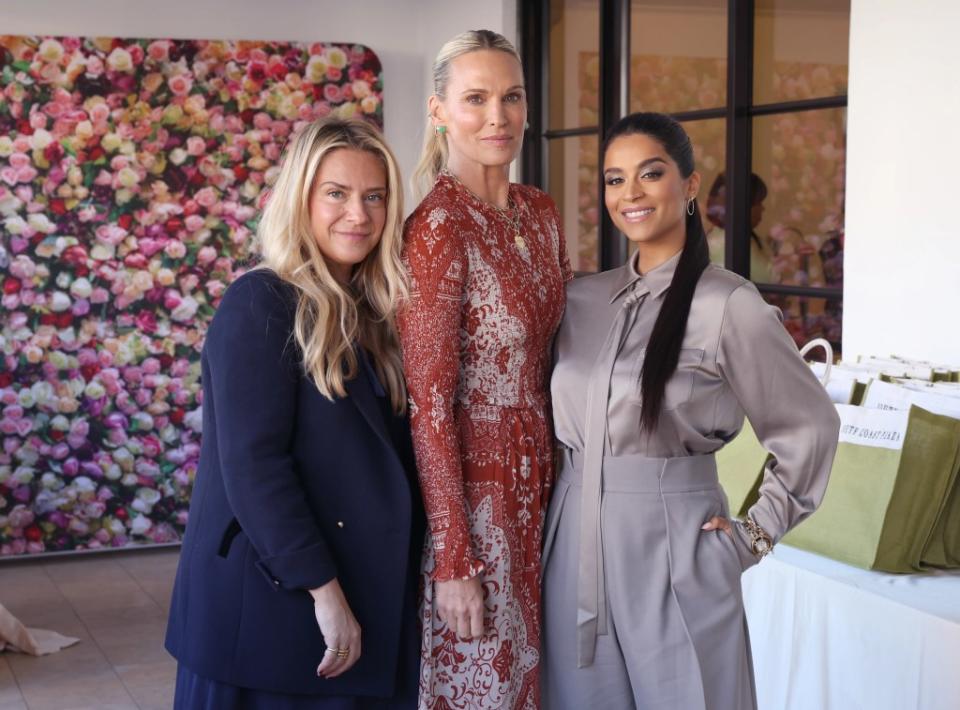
point(433, 156)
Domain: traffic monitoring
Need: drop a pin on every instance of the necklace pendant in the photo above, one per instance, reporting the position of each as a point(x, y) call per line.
point(519, 241)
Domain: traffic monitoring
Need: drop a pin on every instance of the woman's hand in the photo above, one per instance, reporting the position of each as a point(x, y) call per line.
point(460, 606)
point(719, 523)
point(340, 629)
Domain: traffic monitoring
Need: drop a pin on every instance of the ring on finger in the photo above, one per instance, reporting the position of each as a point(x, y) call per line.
point(343, 652)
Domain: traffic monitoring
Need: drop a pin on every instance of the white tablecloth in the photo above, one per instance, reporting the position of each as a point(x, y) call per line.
point(828, 636)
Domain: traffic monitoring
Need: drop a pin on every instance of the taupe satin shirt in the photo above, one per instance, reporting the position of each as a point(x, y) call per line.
point(736, 358)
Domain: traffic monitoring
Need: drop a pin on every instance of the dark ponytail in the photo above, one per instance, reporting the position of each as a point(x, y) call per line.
point(666, 339)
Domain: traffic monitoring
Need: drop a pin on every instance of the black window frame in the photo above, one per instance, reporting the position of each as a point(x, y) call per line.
point(739, 112)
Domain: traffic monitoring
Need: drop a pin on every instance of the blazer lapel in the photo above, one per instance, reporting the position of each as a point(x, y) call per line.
point(361, 394)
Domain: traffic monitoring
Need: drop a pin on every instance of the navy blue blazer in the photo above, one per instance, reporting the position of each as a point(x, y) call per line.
point(292, 490)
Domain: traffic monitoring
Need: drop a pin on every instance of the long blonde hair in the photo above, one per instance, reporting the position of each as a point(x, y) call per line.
point(433, 156)
point(331, 318)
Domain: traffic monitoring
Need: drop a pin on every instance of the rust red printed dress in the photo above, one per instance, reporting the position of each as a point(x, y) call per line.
point(476, 338)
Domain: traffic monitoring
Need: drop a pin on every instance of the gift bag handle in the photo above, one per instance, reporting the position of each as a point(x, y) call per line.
point(828, 349)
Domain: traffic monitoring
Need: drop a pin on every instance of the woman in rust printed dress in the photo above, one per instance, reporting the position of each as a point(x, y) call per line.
point(488, 266)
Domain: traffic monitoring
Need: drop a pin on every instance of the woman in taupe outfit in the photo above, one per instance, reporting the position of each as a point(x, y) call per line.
point(656, 364)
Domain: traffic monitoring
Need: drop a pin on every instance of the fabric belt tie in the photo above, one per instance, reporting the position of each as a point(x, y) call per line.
point(591, 593)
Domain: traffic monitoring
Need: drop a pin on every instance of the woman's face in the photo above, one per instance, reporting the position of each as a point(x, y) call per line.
point(348, 208)
point(644, 192)
point(485, 108)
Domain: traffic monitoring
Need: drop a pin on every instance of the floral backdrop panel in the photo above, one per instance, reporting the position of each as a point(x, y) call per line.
point(130, 175)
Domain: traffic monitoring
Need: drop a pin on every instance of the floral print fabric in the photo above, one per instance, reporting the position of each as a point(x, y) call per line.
point(476, 337)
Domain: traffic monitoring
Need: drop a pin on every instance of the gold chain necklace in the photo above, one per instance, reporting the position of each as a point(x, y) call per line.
point(511, 213)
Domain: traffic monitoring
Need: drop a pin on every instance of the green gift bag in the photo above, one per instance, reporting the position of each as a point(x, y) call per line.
point(890, 478)
point(943, 547)
point(740, 466)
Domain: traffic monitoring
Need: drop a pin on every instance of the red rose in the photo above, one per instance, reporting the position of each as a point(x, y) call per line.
point(48, 319)
point(11, 285)
point(81, 270)
point(146, 322)
point(120, 514)
point(53, 152)
point(33, 533)
point(57, 435)
point(58, 207)
point(166, 360)
point(125, 220)
point(247, 115)
point(89, 371)
point(176, 416)
point(64, 319)
point(6, 379)
point(96, 154)
point(174, 225)
point(24, 127)
point(240, 172)
point(257, 71)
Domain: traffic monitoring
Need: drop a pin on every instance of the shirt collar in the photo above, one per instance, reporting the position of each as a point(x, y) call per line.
point(656, 281)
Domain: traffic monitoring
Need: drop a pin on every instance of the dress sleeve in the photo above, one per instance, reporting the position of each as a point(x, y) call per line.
point(788, 407)
point(253, 387)
point(430, 334)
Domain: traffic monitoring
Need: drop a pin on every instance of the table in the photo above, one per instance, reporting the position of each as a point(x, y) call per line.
point(828, 636)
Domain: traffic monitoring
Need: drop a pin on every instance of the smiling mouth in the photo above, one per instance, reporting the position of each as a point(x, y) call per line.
point(498, 139)
point(354, 236)
point(637, 214)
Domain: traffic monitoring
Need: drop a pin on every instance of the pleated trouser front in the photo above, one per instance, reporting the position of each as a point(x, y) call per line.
point(676, 636)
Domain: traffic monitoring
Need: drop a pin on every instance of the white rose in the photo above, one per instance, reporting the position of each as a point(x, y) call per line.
point(178, 155)
point(41, 223)
point(113, 472)
point(141, 524)
point(94, 390)
point(194, 419)
point(60, 423)
point(14, 224)
point(50, 50)
point(83, 484)
point(59, 302)
point(81, 288)
point(49, 480)
point(6, 147)
point(23, 474)
point(40, 139)
point(120, 60)
point(186, 310)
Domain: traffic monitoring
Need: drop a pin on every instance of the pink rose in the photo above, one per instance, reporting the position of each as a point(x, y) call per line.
point(206, 255)
point(175, 249)
point(159, 51)
point(196, 146)
point(332, 93)
point(206, 197)
point(180, 84)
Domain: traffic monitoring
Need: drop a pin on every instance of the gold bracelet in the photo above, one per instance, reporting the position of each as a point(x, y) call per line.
point(760, 543)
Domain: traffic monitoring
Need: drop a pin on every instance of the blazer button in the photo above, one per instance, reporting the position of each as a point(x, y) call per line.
point(339, 523)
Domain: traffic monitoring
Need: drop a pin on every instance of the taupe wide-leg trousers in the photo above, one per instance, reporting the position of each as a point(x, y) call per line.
point(676, 636)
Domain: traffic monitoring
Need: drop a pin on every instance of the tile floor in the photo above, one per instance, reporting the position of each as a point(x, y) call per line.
point(116, 604)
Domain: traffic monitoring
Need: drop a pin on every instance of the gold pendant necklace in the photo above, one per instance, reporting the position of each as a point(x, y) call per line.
point(511, 213)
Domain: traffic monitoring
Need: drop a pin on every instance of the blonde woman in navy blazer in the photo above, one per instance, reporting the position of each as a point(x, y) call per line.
point(297, 582)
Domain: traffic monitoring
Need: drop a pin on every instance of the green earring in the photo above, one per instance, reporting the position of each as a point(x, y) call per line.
point(441, 130)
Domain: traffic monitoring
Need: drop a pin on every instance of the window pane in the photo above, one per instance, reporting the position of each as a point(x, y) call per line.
point(572, 182)
point(678, 56)
point(806, 318)
point(574, 64)
point(797, 197)
point(801, 49)
point(709, 154)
